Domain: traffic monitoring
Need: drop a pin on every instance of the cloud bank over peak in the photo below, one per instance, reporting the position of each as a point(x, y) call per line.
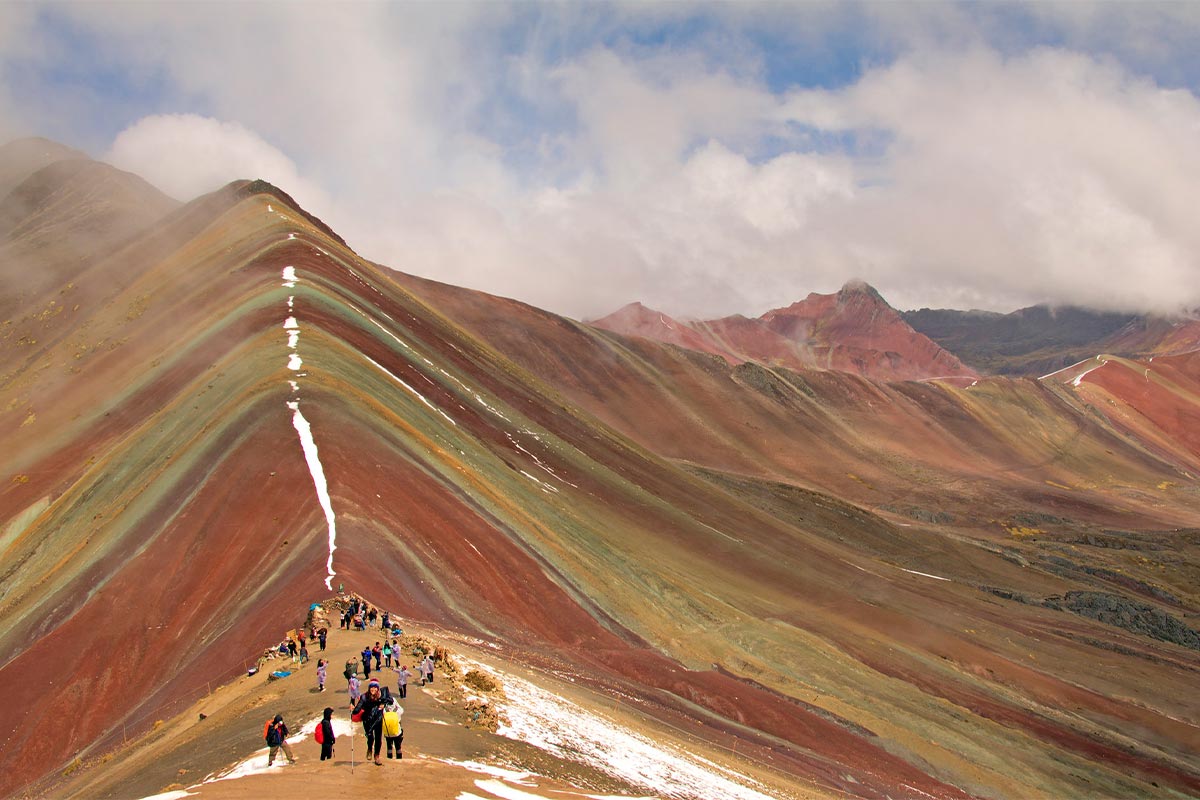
point(705, 160)
point(186, 155)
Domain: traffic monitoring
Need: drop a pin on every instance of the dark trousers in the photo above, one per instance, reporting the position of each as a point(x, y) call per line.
point(395, 741)
point(374, 737)
point(326, 751)
point(403, 690)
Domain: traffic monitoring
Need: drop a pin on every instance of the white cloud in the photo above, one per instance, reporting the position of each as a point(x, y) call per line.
point(186, 155)
point(583, 168)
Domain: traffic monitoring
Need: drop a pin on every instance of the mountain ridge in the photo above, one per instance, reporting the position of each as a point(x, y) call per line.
point(852, 330)
point(867, 583)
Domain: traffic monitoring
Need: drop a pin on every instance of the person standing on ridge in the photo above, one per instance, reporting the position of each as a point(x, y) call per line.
point(427, 670)
point(322, 668)
point(327, 736)
point(277, 733)
point(321, 636)
point(402, 676)
point(352, 687)
point(371, 706)
point(366, 662)
point(377, 654)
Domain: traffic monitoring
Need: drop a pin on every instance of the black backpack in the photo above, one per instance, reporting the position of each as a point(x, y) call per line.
point(274, 738)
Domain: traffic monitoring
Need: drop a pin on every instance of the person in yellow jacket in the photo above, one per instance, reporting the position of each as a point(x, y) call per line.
point(392, 731)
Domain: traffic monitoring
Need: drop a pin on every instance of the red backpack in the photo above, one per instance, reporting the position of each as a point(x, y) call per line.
point(319, 733)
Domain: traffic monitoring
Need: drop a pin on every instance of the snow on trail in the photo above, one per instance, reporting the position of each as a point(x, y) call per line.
point(304, 429)
point(566, 730)
point(318, 475)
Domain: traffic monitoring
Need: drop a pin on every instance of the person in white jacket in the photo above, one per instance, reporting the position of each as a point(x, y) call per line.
point(427, 670)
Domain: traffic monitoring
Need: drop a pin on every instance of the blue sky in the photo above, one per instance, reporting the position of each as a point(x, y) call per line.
point(701, 158)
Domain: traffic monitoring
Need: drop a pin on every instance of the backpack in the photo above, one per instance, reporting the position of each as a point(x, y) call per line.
point(319, 733)
point(274, 736)
point(391, 723)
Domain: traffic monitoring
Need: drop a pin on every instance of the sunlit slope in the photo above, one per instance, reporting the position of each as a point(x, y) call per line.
point(628, 514)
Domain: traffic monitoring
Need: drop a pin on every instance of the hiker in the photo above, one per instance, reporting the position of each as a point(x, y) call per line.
point(276, 737)
point(402, 676)
point(392, 730)
point(292, 651)
point(377, 654)
point(321, 670)
point(303, 652)
point(366, 661)
point(427, 670)
point(386, 616)
point(321, 636)
point(352, 687)
point(387, 654)
point(369, 709)
point(351, 668)
point(325, 728)
point(300, 637)
point(371, 616)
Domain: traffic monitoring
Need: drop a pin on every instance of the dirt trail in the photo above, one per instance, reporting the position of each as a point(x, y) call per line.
point(183, 752)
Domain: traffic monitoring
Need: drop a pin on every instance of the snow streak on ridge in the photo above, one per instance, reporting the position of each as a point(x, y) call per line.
point(304, 430)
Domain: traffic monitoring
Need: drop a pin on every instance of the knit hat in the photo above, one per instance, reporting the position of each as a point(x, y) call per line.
point(373, 682)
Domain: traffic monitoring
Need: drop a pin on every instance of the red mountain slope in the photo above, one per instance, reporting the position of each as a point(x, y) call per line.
point(854, 330)
point(871, 589)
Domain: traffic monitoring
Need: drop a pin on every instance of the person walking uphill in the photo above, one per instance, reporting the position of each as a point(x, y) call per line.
point(277, 733)
point(370, 707)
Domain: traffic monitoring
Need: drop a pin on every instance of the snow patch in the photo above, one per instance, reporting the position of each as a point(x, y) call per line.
point(295, 362)
point(1080, 376)
point(512, 776)
point(413, 391)
point(569, 731)
point(293, 339)
point(1064, 369)
point(290, 324)
point(289, 277)
point(309, 445)
point(925, 575)
point(545, 486)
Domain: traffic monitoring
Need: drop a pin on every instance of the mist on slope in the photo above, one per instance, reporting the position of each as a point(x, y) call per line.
point(568, 160)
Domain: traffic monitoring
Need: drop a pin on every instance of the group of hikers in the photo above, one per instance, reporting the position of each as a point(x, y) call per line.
point(297, 648)
point(375, 707)
point(359, 616)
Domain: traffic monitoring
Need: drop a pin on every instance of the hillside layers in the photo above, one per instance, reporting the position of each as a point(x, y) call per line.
point(854, 330)
point(873, 587)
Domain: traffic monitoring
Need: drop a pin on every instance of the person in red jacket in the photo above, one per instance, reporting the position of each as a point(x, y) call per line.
point(327, 737)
